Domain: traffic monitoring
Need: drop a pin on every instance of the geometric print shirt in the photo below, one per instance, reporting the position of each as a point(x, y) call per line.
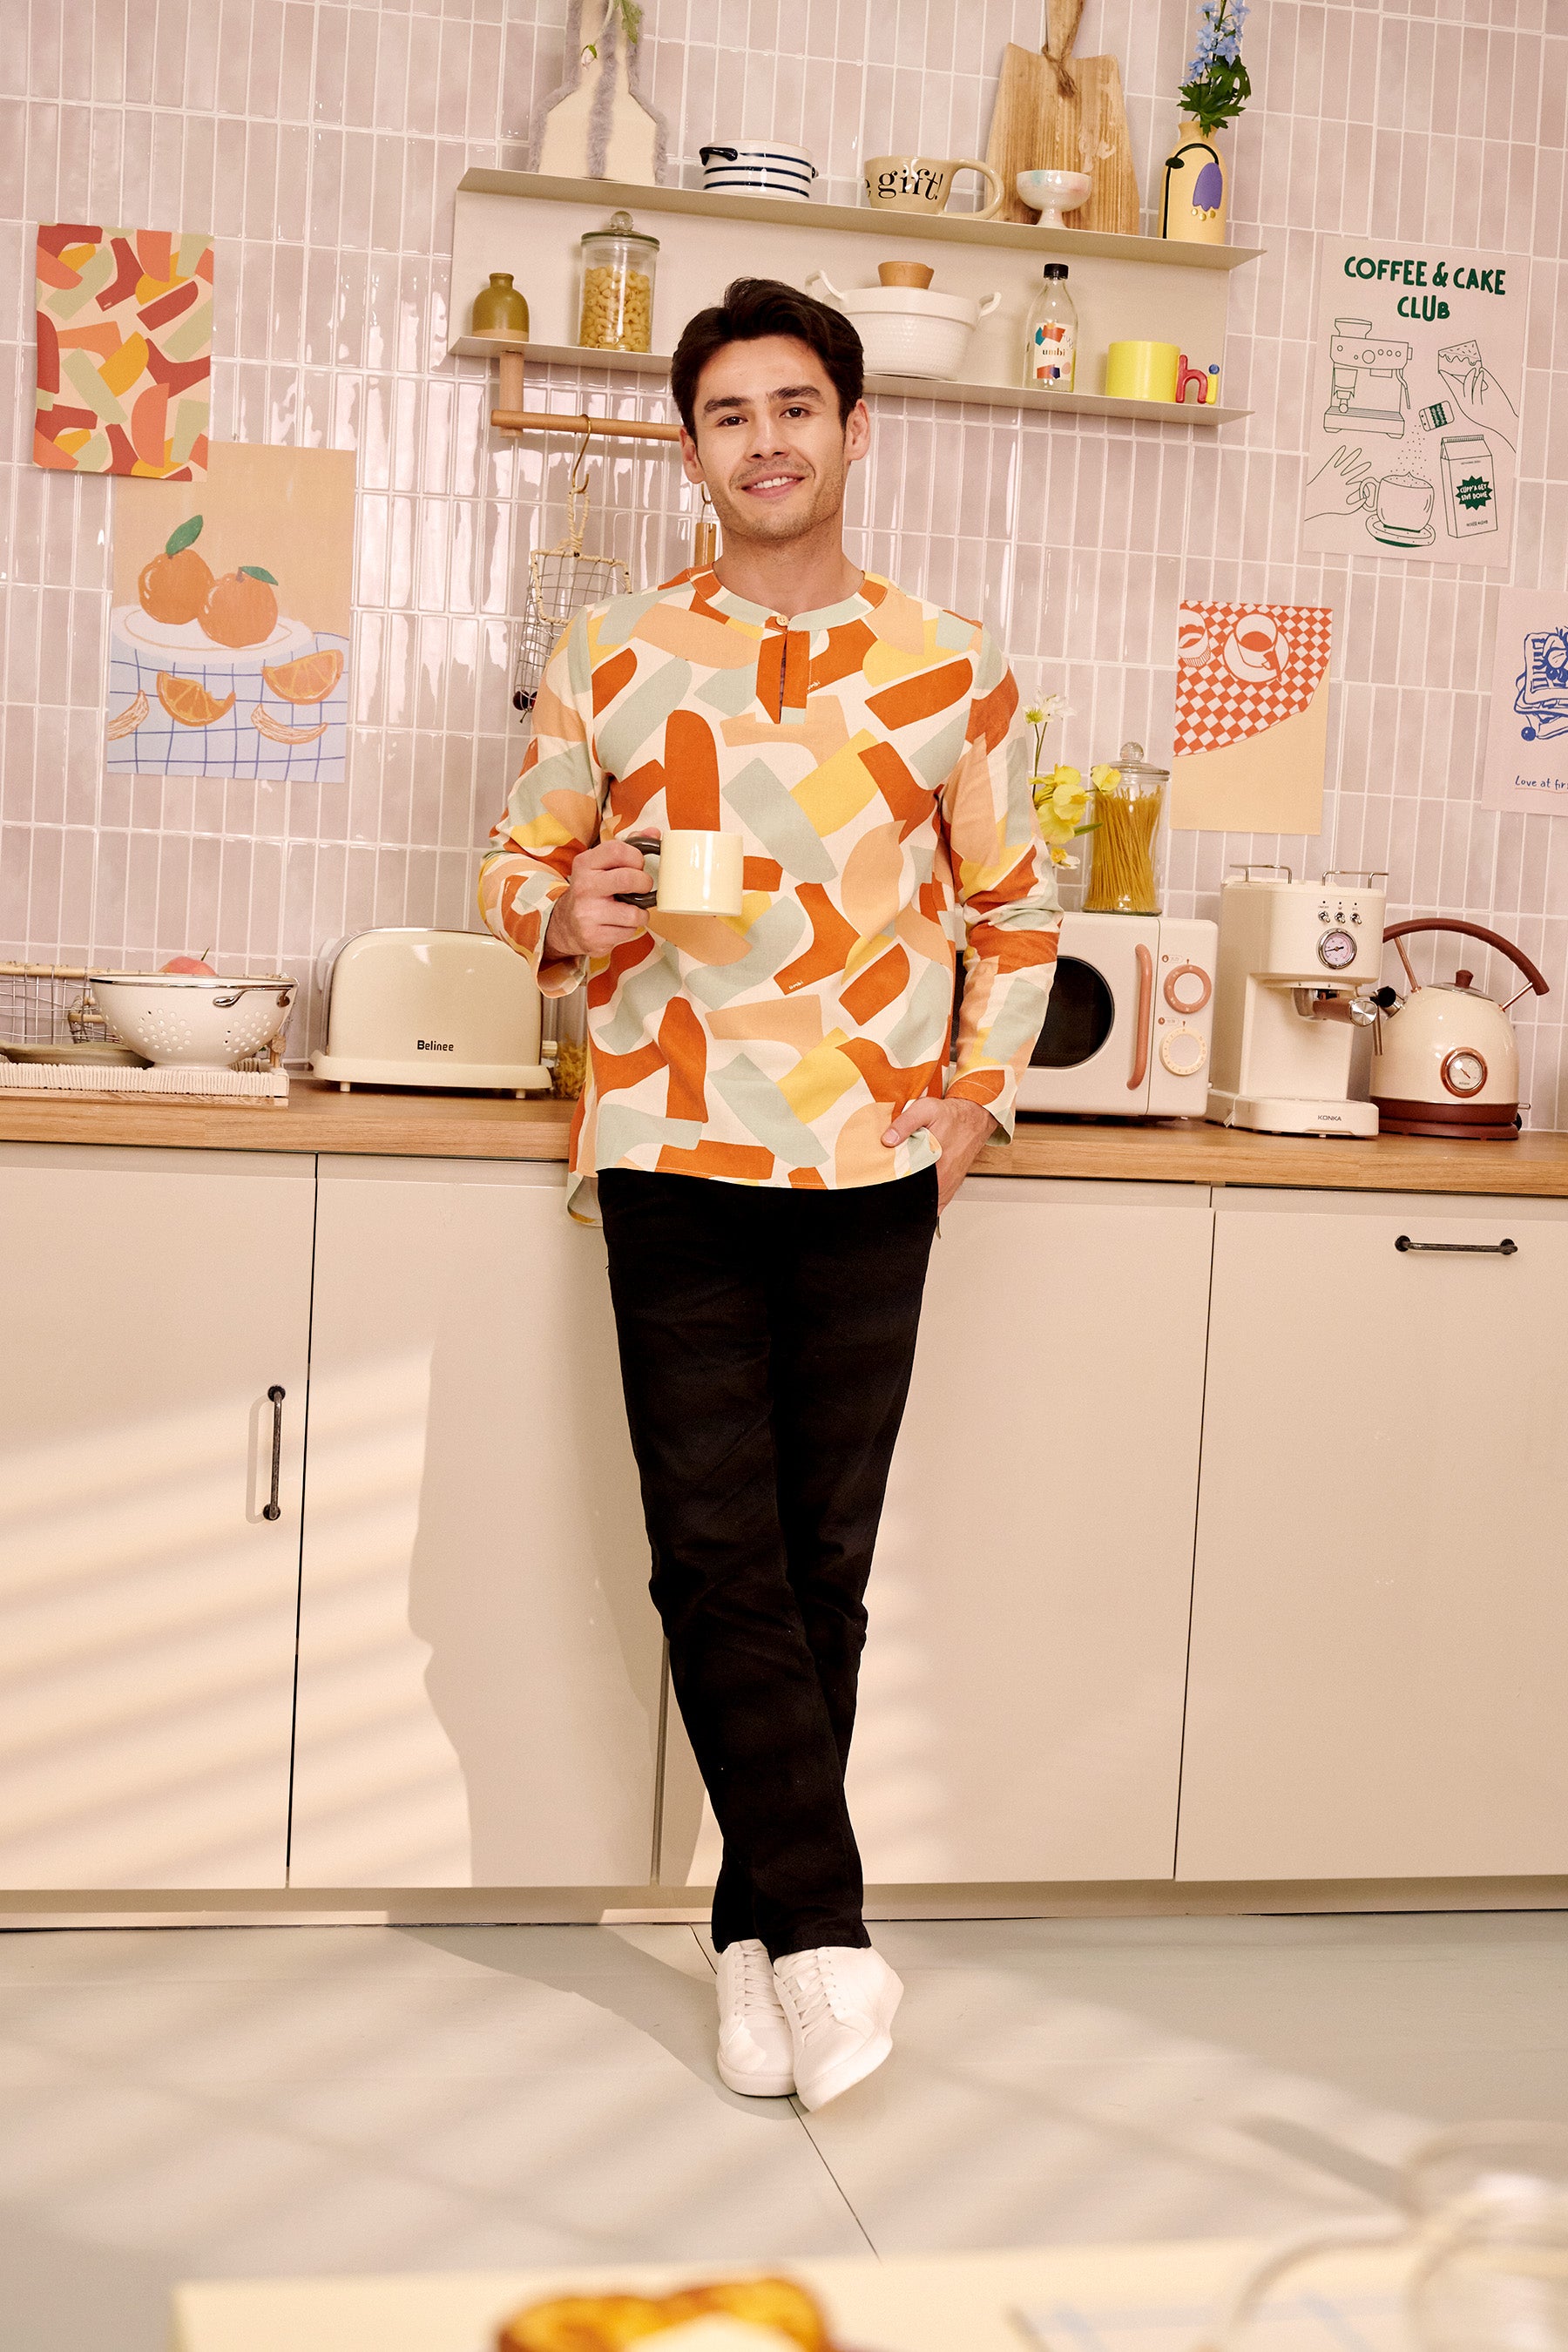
point(873, 758)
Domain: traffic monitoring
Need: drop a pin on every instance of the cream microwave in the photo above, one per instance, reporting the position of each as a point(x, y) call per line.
point(1128, 1029)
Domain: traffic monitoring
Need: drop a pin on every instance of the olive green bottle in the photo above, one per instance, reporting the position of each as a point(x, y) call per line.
point(501, 310)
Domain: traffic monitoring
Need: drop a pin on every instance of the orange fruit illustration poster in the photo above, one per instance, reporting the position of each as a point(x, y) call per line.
point(228, 651)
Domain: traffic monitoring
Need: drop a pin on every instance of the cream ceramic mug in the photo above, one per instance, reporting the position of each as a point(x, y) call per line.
point(919, 184)
point(698, 873)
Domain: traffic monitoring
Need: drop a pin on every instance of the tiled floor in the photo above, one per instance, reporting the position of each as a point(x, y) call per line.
point(232, 2102)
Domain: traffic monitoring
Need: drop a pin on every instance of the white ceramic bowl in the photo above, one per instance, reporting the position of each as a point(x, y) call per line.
point(907, 330)
point(1052, 194)
point(202, 1024)
point(758, 167)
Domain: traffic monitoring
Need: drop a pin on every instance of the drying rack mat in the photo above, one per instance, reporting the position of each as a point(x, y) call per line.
point(168, 1082)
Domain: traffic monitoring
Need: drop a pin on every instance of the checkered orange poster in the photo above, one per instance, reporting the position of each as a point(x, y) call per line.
point(1252, 702)
point(125, 339)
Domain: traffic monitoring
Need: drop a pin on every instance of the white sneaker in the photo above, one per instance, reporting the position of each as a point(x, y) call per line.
point(839, 2002)
point(754, 2048)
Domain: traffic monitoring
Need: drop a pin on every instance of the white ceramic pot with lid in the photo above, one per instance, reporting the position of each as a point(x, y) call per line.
point(1446, 1059)
point(908, 329)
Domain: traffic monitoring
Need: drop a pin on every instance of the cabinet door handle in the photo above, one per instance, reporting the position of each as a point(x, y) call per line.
point(275, 1396)
point(1459, 1249)
point(1145, 1007)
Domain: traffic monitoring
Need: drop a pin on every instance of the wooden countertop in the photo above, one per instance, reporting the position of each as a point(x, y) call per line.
point(485, 1127)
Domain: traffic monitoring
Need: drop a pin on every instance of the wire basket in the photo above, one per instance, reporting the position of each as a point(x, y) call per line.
point(48, 1004)
point(562, 580)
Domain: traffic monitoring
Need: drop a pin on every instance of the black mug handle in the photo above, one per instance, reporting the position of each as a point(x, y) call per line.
point(649, 844)
point(730, 154)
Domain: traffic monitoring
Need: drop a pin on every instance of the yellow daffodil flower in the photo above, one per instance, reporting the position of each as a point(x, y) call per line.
point(1060, 800)
point(1105, 779)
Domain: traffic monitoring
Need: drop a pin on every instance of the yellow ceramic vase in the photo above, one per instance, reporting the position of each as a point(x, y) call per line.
point(1196, 188)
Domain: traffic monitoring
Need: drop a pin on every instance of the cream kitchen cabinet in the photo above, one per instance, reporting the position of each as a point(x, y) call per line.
point(1381, 1600)
point(478, 1661)
point(151, 1304)
point(1021, 1702)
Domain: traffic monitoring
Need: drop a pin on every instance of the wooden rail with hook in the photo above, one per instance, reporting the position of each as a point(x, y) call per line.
point(508, 414)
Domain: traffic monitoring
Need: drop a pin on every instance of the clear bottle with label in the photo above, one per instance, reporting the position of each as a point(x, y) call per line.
point(1050, 344)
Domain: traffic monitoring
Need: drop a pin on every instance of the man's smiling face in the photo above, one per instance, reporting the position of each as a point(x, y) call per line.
point(770, 442)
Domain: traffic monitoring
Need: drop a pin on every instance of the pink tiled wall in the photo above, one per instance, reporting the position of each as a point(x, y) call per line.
point(322, 142)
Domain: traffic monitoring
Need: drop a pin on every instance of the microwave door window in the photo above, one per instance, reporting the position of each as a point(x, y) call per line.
point(1079, 1019)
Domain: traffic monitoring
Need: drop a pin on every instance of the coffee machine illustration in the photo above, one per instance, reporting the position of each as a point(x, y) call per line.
point(1368, 392)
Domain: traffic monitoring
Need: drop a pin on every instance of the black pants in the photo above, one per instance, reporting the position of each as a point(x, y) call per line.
point(766, 1339)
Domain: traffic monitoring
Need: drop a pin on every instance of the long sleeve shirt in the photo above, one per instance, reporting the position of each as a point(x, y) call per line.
point(873, 757)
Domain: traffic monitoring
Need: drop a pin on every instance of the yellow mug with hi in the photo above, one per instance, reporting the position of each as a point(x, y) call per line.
point(1141, 371)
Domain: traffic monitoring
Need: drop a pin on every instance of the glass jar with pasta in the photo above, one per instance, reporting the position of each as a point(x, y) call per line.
point(566, 1042)
point(615, 309)
point(1127, 840)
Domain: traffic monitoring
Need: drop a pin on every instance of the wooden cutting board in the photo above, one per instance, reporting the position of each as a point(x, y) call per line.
point(1039, 126)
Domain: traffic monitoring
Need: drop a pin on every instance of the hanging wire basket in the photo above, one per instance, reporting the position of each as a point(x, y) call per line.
point(560, 582)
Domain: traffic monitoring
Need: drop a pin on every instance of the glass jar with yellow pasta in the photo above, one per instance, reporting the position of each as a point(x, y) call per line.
point(1127, 843)
point(566, 1048)
point(616, 305)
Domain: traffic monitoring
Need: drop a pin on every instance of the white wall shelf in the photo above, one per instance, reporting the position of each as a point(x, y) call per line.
point(944, 228)
point(904, 387)
point(1125, 286)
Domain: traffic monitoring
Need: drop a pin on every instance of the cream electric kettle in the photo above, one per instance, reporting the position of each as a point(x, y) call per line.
point(1445, 1058)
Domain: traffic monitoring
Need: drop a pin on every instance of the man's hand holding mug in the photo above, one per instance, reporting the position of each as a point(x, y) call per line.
point(592, 916)
point(699, 874)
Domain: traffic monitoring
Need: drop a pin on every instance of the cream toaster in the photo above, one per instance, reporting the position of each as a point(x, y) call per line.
point(430, 1009)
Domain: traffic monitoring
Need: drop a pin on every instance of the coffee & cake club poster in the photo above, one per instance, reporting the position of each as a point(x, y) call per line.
point(228, 650)
point(1415, 373)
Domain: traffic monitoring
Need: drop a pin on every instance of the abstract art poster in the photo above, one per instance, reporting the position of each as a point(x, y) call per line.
point(1415, 372)
point(1252, 717)
point(228, 648)
point(125, 351)
point(1527, 734)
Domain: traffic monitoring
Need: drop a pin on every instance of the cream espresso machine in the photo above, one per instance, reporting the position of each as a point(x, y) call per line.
point(1297, 964)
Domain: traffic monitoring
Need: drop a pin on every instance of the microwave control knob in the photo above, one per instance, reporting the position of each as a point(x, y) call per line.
point(1188, 988)
point(1183, 1053)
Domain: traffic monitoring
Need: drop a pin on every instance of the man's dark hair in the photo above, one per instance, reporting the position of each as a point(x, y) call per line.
point(755, 307)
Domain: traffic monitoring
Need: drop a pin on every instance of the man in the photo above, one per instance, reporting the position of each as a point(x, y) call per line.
point(766, 1121)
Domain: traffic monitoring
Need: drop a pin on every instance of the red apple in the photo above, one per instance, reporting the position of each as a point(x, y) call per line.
point(189, 964)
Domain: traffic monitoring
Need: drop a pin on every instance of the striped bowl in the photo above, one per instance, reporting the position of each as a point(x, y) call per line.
point(758, 167)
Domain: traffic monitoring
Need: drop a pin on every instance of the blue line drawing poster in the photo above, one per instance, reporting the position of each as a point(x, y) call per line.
point(1527, 734)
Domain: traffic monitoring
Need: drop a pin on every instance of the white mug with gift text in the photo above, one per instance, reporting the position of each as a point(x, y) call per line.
point(698, 873)
point(922, 184)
